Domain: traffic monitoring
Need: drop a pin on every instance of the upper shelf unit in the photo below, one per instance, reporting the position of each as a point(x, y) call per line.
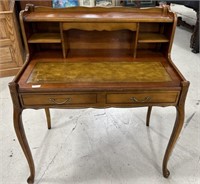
point(95, 19)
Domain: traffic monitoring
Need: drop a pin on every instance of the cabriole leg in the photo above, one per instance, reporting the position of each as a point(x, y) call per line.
point(180, 115)
point(174, 136)
point(19, 129)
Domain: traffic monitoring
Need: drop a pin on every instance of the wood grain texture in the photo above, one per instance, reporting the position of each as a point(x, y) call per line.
point(5, 56)
point(11, 50)
point(6, 5)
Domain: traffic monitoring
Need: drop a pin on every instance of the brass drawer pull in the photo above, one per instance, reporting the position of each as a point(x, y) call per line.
point(146, 99)
point(68, 100)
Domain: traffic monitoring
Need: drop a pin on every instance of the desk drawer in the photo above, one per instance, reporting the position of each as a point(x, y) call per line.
point(63, 99)
point(143, 97)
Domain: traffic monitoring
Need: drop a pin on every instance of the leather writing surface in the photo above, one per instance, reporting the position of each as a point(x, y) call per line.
point(68, 72)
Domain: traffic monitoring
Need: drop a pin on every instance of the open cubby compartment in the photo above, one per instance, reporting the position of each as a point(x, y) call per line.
point(154, 36)
point(154, 49)
point(43, 36)
point(119, 43)
point(154, 33)
point(44, 32)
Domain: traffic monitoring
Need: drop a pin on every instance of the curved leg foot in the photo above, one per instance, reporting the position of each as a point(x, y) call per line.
point(47, 112)
point(30, 180)
point(166, 173)
point(19, 129)
point(148, 115)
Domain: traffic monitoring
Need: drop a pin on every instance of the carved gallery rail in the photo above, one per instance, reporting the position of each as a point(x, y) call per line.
point(97, 57)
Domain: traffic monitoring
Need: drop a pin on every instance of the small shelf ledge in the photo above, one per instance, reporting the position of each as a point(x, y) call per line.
point(45, 38)
point(152, 38)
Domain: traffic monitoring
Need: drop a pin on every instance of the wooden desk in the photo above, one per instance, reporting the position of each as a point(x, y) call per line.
point(100, 58)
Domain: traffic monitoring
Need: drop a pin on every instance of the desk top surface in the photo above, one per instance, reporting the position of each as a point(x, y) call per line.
point(87, 72)
point(82, 75)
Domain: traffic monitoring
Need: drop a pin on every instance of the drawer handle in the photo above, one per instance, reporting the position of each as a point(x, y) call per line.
point(68, 100)
point(146, 99)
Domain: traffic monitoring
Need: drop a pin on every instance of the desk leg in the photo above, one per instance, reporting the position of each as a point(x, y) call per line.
point(48, 118)
point(148, 115)
point(180, 114)
point(19, 129)
point(175, 133)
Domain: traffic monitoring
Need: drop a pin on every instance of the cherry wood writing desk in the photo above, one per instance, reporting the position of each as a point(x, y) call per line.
point(97, 57)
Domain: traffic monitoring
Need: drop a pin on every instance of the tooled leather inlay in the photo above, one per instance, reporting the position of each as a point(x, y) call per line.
point(84, 72)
